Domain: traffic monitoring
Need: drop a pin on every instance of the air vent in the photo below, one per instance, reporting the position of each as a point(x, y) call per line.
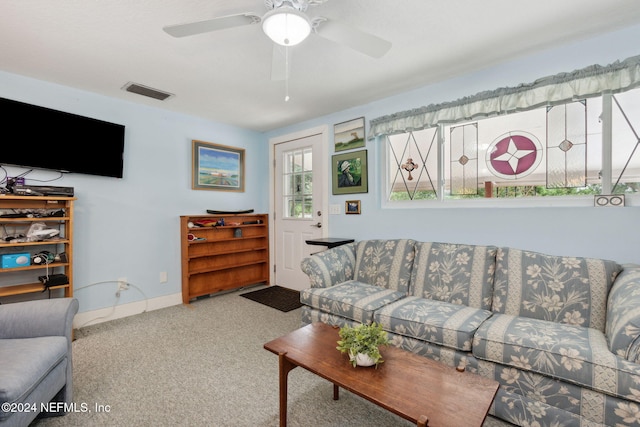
point(147, 91)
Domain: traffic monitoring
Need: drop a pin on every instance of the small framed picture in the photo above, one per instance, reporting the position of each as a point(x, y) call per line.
point(349, 172)
point(348, 135)
point(217, 167)
point(352, 207)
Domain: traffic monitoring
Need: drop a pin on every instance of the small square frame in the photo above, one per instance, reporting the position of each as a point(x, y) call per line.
point(217, 167)
point(352, 207)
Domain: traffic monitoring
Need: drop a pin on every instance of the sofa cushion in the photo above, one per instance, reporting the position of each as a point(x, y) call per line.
point(570, 353)
point(555, 288)
point(623, 316)
point(460, 274)
point(437, 322)
point(353, 300)
point(330, 267)
point(385, 263)
point(312, 315)
point(25, 363)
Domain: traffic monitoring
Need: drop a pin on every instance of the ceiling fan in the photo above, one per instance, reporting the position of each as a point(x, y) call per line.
point(287, 24)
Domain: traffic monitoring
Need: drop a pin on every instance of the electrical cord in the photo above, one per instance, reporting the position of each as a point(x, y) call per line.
point(5, 180)
point(47, 261)
point(23, 174)
point(61, 174)
point(113, 307)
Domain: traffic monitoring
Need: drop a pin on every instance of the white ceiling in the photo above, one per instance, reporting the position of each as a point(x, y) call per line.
point(225, 76)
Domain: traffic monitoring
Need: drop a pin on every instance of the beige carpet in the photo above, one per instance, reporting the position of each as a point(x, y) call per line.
point(201, 365)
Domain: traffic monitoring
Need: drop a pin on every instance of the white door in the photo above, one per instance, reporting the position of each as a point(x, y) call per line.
point(299, 204)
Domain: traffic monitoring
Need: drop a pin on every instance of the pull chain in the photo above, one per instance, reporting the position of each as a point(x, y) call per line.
point(286, 73)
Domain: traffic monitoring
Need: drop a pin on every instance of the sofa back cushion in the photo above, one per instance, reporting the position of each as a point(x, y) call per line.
point(560, 289)
point(385, 263)
point(455, 273)
point(623, 315)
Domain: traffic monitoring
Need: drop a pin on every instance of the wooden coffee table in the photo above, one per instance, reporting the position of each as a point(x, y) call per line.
point(414, 387)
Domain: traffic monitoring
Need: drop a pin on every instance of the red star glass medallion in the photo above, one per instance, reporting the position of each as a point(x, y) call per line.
point(514, 155)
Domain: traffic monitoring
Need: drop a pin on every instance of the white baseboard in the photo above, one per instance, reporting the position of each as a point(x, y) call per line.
point(111, 313)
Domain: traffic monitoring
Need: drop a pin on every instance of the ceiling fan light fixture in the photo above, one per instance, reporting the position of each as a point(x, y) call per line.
point(286, 26)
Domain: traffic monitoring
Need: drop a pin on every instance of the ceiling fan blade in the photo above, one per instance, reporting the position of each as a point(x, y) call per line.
point(215, 24)
point(280, 62)
point(358, 40)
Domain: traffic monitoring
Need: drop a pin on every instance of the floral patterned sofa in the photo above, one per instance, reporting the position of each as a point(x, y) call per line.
point(560, 334)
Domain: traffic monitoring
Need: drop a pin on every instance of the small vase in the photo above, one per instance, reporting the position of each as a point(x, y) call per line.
point(364, 360)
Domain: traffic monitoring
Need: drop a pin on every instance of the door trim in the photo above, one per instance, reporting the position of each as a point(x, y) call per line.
point(324, 161)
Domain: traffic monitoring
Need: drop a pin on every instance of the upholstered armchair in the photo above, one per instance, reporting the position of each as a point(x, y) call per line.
point(35, 359)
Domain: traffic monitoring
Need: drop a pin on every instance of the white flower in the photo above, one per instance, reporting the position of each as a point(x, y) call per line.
point(571, 262)
point(569, 359)
point(521, 362)
point(533, 270)
point(574, 318)
point(536, 409)
point(552, 304)
point(462, 258)
point(629, 412)
point(556, 285)
point(510, 375)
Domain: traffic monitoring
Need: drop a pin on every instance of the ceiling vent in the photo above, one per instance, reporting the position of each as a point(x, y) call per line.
point(147, 91)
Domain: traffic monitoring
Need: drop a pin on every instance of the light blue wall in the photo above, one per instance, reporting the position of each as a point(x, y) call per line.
point(129, 227)
point(598, 232)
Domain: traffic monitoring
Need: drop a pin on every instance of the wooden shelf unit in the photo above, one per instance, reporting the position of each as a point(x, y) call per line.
point(229, 257)
point(28, 281)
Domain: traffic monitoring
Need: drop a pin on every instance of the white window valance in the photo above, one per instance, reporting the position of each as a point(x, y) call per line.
point(553, 90)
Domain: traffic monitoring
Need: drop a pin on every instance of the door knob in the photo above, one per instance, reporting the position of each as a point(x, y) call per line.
point(318, 225)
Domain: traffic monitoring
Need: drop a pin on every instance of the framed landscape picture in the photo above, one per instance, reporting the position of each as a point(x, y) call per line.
point(349, 135)
point(349, 172)
point(217, 167)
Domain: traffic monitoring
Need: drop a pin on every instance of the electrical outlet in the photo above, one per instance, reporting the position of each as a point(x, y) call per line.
point(163, 277)
point(613, 200)
point(123, 285)
point(334, 209)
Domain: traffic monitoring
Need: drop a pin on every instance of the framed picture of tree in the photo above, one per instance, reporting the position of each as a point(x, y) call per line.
point(348, 135)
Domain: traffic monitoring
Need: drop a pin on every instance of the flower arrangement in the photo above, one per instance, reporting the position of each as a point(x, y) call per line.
point(363, 340)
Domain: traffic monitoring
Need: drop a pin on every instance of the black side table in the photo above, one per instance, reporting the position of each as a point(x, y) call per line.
point(329, 242)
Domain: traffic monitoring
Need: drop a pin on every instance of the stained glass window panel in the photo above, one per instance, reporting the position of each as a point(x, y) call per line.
point(464, 159)
point(566, 145)
point(625, 142)
point(413, 165)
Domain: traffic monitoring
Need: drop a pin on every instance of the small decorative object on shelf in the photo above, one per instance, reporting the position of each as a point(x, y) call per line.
point(362, 343)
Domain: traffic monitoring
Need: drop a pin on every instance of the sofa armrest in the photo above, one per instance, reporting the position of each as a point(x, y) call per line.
point(39, 318)
point(330, 267)
point(623, 315)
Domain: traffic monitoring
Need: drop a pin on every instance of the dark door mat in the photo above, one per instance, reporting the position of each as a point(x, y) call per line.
point(277, 297)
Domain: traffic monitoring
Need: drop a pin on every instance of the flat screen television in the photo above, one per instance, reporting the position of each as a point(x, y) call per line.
point(43, 138)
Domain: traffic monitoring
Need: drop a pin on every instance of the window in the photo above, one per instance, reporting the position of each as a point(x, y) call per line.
point(413, 165)
point(554, 149)
point(297, 183)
